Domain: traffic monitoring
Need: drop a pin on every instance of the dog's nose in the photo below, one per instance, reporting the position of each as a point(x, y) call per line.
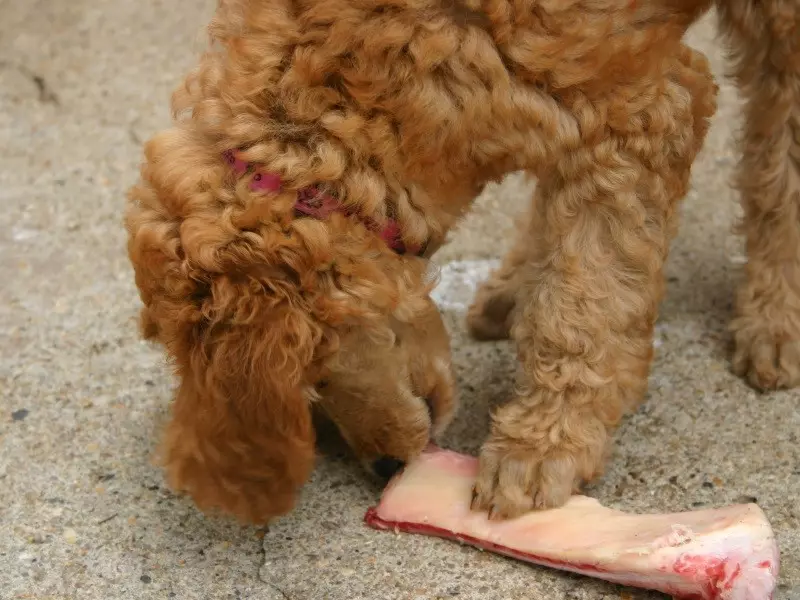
point(386, 467)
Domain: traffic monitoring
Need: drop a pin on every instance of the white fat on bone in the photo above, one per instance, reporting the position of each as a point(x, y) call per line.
point(726, 553)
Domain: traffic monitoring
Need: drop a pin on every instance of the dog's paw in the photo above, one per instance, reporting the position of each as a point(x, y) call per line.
point(540, 451)
point(490, 316)
point(512, 482)
point(767, 353)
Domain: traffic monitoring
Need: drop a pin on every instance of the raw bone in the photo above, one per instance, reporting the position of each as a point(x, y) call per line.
point(720, 554)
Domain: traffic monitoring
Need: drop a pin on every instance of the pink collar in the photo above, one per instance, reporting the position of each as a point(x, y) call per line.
point(315, 202)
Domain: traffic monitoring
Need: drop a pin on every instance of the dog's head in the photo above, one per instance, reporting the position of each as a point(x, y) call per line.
point(266, 313)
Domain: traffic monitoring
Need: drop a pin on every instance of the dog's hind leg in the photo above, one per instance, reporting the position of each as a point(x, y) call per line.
point(765, 46)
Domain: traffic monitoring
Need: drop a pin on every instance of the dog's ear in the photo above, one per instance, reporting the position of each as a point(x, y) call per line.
point(241, 437)
point(222, 292)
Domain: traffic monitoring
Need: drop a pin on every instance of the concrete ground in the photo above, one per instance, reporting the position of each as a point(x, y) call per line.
point(83, 513)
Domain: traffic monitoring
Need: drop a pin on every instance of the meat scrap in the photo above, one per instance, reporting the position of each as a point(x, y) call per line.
point(727, 553)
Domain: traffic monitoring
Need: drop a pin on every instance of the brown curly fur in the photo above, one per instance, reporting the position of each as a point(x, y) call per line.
point(766, 65)
point(582, 316)
point(407, 109)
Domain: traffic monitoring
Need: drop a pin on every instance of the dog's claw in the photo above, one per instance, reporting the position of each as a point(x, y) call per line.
point(473, 504)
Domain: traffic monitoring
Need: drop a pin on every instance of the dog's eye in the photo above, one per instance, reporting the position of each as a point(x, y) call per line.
point(322, 384)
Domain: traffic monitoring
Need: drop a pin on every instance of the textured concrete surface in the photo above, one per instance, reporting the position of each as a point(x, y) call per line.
point(85, 516)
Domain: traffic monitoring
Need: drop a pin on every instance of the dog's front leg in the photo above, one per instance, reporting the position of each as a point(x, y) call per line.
point(587, 307)
point(583, 333)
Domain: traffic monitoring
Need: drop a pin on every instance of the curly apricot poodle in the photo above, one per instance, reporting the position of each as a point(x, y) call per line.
point(322, 149)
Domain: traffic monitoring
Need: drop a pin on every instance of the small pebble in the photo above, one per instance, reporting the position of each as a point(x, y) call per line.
point(19, 415)
point(70, 536)
point(145, 579)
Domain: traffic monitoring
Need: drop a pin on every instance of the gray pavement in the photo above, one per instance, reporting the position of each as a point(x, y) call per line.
point(83, 513)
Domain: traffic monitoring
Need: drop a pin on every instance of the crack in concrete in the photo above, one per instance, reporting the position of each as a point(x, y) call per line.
point(45, 92)
point(277, 589)
point(262, 552)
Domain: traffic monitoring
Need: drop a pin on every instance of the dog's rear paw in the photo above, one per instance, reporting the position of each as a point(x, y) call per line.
point(767, 352)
